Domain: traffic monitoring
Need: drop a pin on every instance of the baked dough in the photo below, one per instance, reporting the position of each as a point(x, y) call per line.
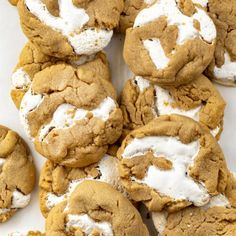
point(32, 61)
point(17, 174)
point(58, 182)
point(142, 101)
point(71, 115)
point(86, 30)
point(171, 42)
point(173, 162)
point(95, 208)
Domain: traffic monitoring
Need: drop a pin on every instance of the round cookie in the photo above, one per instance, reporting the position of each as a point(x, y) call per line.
point(223, 67)
point(32, 61)
point(216, 218)
point(86, 30)
point(30, 233)
point(58, 182)
point(173, 162)
point(95, 208)
point(142, 101)
point(71, 115)
point(171, 43)
point(17, 174)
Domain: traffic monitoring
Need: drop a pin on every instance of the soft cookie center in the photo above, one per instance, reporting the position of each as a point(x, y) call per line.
point(176, 182)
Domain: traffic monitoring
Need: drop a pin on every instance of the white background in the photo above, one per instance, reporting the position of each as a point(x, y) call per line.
point(11, 43)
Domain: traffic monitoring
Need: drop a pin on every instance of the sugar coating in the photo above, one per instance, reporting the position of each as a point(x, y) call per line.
point(108, 167)
point(66, 115)
point(185, 24)
point(176, 182)
point(20, 79)
point(227, 71)
point(29, 102)
point(88, 225)
point(70, 23)
point(19, 200)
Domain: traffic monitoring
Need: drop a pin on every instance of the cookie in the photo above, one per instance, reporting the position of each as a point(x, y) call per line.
point(173, 162)
point(86, 30)
point(58, 182)
point(30, 233)
point(216, 218)
point(17, 174)
point(170, 43)
point(223, 66)
point(32, 61)
point(141, 102)
point(95, 208)
point(13, 2)
point(71, 115)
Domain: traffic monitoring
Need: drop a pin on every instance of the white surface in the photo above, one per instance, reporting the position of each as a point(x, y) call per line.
point(70, 21)
point(11, 43)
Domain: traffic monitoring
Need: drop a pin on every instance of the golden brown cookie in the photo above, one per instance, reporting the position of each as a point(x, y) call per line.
point(170, 43)
point(142, 101)
point(32, 61)
point(58, 182)
point(17, 174)
point(86, 30)
point(223, 67)
point(71, 114)
point(214, 219)
point(30, 233)
point(173, 162)
point(95, 208)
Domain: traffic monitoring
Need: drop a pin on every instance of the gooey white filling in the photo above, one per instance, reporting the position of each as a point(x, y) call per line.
point(175, 183)
point(227, 71)
point(67, 115)
point(20, 79)
point(70, 23)
point(88, 225)
point(108, 167)
point(185, 24)
point(19, 200)
point(164, 103)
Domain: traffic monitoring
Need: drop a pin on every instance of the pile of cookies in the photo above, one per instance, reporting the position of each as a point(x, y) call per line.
point(156, 145)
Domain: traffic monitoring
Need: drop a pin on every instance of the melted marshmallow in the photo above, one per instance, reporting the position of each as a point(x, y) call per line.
point(20, 79)
point(67, 115)
point(217, 201)
point(227, 71)
point(176, 182)
point(88, 225)
point(164, 103)
point(185, 24)
point(70, 23)
point(108, 167)
point(29, 103)
point(19, 200)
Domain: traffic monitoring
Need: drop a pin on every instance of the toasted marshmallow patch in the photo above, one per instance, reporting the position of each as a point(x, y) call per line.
point(88, 225)
point(108, 168)
point(19, 200)
point(70, 23)
point(185, 24)
point(175, 183)
point(227, 71)
point(29, 102)
point(20, 79)
point(67, 115)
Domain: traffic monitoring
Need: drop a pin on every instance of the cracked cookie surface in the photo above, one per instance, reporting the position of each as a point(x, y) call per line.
point(32, 61)
point(17, 174)
point(95, 208)
point(71, 115)
point(173, 162)
point(223, 66)
point(58, 182)
point(170, 43)
point(142, 101)
point(85, 31)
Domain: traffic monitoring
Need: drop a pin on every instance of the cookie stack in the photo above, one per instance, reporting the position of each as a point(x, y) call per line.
point(156, 146)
